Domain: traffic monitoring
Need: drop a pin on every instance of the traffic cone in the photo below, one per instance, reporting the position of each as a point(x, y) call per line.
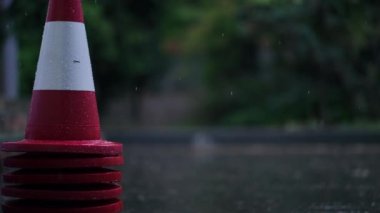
point(63, 160)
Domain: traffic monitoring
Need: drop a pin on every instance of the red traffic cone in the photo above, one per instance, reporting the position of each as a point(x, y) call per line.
point(62, 165)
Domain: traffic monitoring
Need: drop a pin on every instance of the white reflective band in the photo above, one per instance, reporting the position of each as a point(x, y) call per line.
point(64, 62)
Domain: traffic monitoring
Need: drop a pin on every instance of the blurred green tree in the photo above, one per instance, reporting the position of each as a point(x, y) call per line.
point(271, 62)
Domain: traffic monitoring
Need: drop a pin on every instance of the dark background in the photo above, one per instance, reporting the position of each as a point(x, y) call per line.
point(273, 63)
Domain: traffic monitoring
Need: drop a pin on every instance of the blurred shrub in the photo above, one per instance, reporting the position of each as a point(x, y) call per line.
point(273, 62)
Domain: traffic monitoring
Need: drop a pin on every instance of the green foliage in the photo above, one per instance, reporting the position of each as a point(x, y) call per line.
point(271, 62)
point(28, 20)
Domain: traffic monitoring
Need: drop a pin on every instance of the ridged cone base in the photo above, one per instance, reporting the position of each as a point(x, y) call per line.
point(62, 182)
point(31, 206)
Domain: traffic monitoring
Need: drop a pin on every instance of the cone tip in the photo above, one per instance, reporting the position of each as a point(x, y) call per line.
point(65, 10)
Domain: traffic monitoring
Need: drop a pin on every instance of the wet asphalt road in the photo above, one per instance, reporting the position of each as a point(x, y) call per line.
point(207, 178)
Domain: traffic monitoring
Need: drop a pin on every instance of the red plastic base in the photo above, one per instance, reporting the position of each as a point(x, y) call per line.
point(21, 206)
point(63, 192)
point(62, 176)
point(43, 160)
point(51, 176)
point(82, 146)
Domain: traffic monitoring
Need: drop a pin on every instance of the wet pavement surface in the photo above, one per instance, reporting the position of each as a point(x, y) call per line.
point(209, 177)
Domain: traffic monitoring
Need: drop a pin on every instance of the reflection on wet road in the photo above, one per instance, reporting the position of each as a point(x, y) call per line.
point(251, 178)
